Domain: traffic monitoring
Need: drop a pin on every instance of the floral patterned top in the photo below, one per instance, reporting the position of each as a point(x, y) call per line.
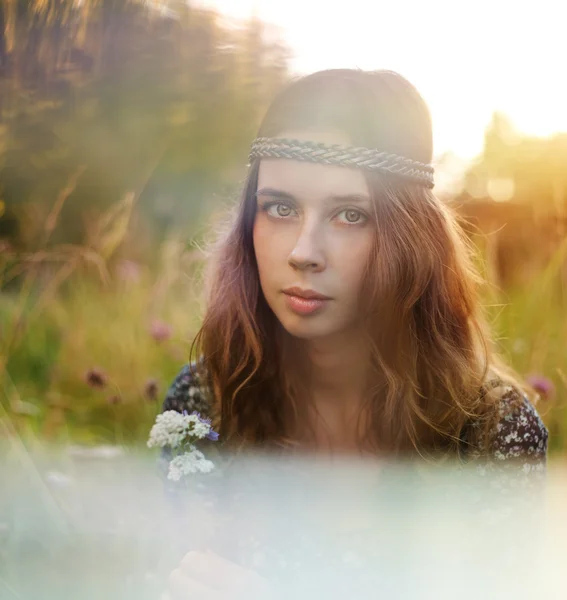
point(359, 556)
point(521, 435)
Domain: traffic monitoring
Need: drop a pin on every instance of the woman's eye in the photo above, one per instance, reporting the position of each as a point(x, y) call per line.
point(279, 210)
point(352, 216)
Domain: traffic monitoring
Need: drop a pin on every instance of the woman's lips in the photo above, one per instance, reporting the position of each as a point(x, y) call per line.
point(304, 306)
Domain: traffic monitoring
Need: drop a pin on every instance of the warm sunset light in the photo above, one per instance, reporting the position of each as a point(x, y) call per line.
point(467, 59)
point(283, 299)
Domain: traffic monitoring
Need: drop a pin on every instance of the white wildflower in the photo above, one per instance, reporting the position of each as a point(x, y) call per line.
point(198, 428)
point(201, 430)
point(178, 431)
point(169, 429)
point(192, 461)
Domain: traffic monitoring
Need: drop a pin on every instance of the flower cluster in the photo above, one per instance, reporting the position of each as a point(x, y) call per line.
point(193, 461)
point(180, 431)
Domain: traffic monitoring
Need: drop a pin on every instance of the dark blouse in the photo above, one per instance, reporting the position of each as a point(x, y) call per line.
point(520, 438)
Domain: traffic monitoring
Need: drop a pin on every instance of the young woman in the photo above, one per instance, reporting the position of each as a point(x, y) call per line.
point(342, 311)
point(342, 304)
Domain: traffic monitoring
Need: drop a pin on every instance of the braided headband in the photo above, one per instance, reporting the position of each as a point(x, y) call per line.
point(346, 156)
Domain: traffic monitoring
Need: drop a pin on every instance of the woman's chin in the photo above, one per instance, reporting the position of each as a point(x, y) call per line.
point(306, 328)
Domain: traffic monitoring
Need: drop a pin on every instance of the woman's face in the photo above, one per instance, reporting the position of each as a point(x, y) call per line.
point(313, 232)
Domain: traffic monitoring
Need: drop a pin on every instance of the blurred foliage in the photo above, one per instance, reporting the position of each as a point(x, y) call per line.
point(91, 360)
point(514, 208)
point(529, 170)
point(122, 125)
point(515, 195)
point(120, 96)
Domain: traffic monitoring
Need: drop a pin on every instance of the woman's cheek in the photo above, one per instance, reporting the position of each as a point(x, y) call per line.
point(261, 243)
point(352, 251)
point(268, 258)
point(271, 244)
point(351, 258)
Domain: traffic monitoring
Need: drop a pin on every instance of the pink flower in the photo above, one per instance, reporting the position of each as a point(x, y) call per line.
point(113, 400)
point(160, 331)
point(128, 271)
point(96, 378)
point(542, 385)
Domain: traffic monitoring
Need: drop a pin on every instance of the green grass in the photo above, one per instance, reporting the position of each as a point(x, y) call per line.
point(47, 350)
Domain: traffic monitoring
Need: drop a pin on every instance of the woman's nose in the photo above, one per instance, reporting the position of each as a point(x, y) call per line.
point(307, 252)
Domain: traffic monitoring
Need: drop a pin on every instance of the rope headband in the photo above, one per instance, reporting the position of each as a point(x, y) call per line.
point(346, 156)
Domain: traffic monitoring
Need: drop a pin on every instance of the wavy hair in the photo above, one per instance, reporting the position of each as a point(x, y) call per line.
point(431, 347)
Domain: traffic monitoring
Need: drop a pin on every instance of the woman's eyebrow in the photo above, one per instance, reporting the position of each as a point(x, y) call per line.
point(334, 199)
point(273, 193)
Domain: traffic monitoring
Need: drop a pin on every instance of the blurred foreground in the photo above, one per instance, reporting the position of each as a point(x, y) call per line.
point(79, 523)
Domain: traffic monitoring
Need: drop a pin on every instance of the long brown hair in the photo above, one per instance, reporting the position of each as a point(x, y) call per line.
point(431, 345)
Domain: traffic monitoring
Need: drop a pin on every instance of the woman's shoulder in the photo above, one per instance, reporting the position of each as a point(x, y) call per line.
point(188, 392)
point(520, 434)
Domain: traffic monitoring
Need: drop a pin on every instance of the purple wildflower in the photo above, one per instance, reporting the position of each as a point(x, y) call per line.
point(213, 436)
point(96, 378)
point(151, 389)
point(542, 385)
point(205, 420)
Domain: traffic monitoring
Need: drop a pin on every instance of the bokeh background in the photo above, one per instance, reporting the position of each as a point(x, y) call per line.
point(124, 131)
